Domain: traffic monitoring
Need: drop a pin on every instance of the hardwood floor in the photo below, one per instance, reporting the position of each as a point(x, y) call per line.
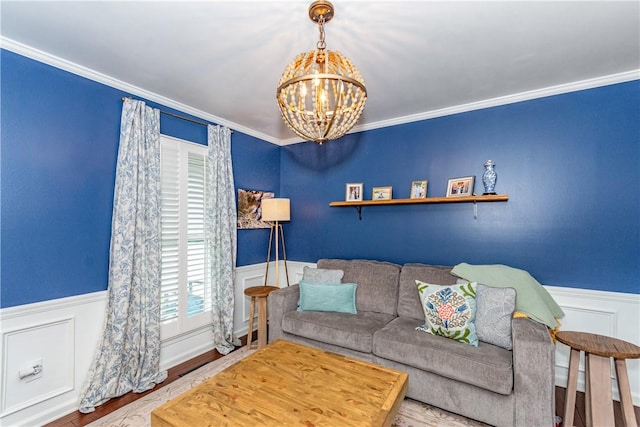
point(77, 419)
point(579, 419)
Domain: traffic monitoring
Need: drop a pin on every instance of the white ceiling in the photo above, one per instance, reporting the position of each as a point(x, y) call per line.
point(222, 60)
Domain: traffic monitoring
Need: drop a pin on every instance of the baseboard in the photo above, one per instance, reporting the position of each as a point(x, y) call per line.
point(183, 347)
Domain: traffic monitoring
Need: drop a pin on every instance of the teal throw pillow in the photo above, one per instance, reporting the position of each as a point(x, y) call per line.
point(449, 311)
point(336, 298)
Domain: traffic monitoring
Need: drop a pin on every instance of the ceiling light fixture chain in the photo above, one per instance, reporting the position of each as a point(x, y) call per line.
point(321, 43)
point(321, 94)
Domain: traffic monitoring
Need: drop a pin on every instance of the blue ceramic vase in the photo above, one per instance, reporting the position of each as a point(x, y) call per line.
point(489, 178)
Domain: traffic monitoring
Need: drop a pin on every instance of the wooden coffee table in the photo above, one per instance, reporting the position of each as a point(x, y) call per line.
point(290, 384)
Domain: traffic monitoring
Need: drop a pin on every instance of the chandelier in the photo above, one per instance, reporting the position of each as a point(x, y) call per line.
point(321, 94)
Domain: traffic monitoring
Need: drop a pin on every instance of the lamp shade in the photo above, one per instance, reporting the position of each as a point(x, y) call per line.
point(275, 210)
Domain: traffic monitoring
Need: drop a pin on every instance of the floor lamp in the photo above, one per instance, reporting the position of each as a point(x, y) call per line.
point(275, 211)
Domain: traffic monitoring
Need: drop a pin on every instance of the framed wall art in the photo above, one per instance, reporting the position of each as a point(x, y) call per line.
point(458, 187)
point(353, 192)
point(381, 193)
point(250, 208)
point(418, 189)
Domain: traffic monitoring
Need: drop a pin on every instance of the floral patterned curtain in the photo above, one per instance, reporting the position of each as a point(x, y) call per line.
point(220, 235)
point(128, 357)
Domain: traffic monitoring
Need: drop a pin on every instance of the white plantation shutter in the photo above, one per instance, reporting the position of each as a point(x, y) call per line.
point(170, 215)
point(185, 289)
point(198, 283)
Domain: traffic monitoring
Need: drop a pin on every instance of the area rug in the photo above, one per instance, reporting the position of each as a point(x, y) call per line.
point(138, 413)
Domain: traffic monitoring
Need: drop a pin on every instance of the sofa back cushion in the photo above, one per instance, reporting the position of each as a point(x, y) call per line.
point(377, 282)
point(408, 298)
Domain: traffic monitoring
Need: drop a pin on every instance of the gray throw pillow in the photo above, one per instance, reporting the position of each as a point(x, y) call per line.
point(322, 276)
point(495, 307)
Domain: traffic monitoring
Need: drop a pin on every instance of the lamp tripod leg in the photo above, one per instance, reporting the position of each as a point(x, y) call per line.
point(277, 284)
point(284, 255)
point(266, 273)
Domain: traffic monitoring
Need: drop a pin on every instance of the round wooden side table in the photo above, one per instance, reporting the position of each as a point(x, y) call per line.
point(598, 349)
point(259, 293)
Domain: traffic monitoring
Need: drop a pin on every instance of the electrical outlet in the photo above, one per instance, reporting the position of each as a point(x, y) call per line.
point(31, 371)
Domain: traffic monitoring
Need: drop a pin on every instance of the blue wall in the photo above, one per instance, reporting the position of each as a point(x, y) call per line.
point(569, 164)
point(59, 139)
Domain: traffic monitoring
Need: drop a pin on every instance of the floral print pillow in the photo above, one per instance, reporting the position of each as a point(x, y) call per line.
point(449, 311)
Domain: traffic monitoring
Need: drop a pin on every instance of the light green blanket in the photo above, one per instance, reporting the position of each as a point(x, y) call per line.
point(532, 298)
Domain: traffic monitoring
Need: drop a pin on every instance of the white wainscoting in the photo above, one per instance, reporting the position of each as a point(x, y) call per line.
point(76, 323)
point(64, 334)
point(606, 313)
point(50, 345)
point(253, 275)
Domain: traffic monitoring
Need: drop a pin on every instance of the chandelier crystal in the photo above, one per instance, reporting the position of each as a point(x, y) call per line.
point(321, 94)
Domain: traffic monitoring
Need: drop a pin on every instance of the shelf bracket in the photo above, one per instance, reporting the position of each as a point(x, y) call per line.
point(475, 210)
point(359, 209)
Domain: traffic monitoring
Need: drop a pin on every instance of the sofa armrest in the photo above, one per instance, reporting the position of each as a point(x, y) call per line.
point(534, 373)
point(280, 302)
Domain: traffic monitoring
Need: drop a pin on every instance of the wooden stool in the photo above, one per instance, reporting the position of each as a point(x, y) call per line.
point(598, 349)
point(260, 293)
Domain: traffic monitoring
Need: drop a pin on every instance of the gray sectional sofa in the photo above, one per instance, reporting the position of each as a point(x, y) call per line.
point(486, 383)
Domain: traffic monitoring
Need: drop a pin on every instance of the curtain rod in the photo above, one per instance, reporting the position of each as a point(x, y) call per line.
point(188, 119)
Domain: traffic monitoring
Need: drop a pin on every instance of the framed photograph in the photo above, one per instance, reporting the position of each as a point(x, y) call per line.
point(381, 193)
point(353, 192)
point(419, 189)
point(458, 187)
point(250, 208)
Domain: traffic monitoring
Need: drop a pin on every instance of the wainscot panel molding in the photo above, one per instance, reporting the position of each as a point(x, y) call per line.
point(613, 314)
point(75, 324)
point(81, 318)
point(54, 339)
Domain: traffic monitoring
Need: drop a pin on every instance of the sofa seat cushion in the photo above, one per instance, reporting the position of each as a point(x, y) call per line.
point(352, 331)
point(486, 366)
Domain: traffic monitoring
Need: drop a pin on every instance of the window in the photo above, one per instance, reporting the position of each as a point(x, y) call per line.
point(185, 287)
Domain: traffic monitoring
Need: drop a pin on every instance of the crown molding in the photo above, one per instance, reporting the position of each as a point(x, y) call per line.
point(495, 102)
point(505, 100)
point(82, 71)
point(90, 74)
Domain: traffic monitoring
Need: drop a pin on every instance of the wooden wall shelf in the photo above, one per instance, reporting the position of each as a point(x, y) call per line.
point(463, 199)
